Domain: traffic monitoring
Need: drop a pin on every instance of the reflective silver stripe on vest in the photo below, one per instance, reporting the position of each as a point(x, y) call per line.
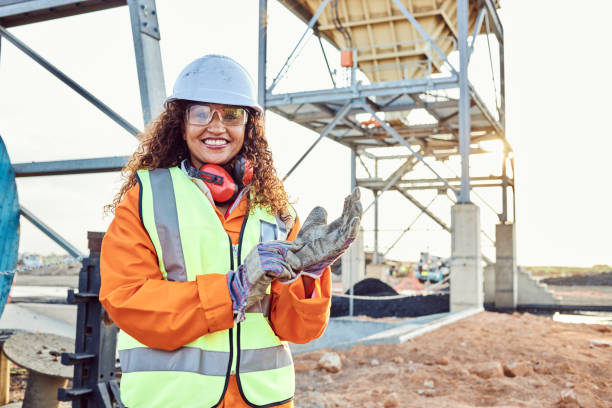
point(190, 359)
point(267, 358)
point(195, 360)
point(167, 225)
point(282, 228)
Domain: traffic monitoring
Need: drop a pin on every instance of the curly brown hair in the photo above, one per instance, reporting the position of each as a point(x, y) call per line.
point(162, 146)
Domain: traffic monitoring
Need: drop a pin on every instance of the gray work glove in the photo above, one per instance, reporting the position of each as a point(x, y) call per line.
point(319, 244)
point(248, 284)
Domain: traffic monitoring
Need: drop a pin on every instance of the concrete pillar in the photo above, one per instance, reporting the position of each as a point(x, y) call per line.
point(506, 278)
point(489, 284)
point(353, 264)
point(466, 283)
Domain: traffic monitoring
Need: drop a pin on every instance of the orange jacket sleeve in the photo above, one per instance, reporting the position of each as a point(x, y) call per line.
point(158, 313)
point(296, 313)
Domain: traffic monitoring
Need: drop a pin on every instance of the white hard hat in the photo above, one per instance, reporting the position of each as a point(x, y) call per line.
point(215, 79)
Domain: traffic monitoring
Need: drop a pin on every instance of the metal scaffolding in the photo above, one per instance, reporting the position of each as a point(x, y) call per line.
point(396, 88)
point(146, 36)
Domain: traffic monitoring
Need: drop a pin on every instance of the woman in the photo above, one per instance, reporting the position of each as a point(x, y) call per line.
point(188, 272)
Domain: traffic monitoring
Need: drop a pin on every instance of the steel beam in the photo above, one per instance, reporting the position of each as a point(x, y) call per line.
point(404, 143)
point(57, 238)
point(324, 133)
point(502, 88)
point(409, 226)
point(19, 12)
point(392, 180)
point(504, 214)
point(68, 81)
point(262, 53)
point(145, 32)
point(65, 167)
point(423, 33)
point(298, 47)
point(494, 17)
point(377, 89)
point(464, 101)
point(423, 208)
point(477, 27)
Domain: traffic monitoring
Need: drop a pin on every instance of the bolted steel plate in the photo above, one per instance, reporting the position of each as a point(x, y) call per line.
point(9, 224)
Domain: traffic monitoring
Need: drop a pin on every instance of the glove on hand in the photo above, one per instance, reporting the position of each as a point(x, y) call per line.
point(247, 285)
point(318, 245)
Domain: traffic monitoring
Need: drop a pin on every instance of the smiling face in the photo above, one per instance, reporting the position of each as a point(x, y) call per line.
point(214, 143)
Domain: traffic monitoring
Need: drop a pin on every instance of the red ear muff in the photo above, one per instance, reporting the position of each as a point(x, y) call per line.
point(243, 170)
point(221, 185)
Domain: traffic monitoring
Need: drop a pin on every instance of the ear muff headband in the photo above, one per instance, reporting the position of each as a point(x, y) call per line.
point(221, 184)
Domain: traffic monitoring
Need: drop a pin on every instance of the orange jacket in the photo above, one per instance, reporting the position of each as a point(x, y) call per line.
point(166, 315)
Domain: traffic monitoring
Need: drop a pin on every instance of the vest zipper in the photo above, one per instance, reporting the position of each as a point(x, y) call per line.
point(238, 249)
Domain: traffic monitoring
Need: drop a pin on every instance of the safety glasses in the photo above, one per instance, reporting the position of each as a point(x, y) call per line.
point(202, 114)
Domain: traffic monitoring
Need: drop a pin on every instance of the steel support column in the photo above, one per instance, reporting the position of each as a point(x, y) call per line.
point(48, 231)
point(262, 53)
point(504, 214)
point(375, 259)
point(502, 87)
point(145, 31)
point(464, 101)
point(353, 186)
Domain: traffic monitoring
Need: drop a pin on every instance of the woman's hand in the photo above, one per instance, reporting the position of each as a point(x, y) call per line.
point(319, 244)
point(248, 284)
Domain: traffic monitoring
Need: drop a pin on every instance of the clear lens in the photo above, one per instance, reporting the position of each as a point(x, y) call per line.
point(202, 114)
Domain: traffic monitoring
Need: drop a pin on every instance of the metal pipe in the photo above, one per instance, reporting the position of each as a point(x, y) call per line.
point(299, 45)
point(57, 238)
point(325, 132)
point(464, 101)
point(262, 53)
point(403, 142)
point(68, 81)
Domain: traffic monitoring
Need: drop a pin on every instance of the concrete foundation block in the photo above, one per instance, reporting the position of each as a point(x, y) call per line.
point(506, 278)
point(353, 263)
point(531, 292)
point(466, 277)
point(489, 283)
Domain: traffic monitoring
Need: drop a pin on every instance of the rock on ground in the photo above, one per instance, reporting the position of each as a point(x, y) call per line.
point(555, 369)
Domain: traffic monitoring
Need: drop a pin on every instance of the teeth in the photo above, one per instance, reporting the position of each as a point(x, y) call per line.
point(215, 142)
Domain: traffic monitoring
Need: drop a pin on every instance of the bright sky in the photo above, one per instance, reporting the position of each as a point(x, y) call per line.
point(556, 96)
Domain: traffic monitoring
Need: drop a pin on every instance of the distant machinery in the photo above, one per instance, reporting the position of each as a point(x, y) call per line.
point(402, 47)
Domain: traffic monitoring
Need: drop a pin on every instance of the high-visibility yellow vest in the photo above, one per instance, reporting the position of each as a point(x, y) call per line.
point(190, 240)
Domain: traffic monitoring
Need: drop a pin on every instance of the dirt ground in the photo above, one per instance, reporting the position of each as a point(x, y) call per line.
point(546, 364)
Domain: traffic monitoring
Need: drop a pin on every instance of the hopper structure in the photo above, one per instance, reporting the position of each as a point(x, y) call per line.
point(402, 48)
